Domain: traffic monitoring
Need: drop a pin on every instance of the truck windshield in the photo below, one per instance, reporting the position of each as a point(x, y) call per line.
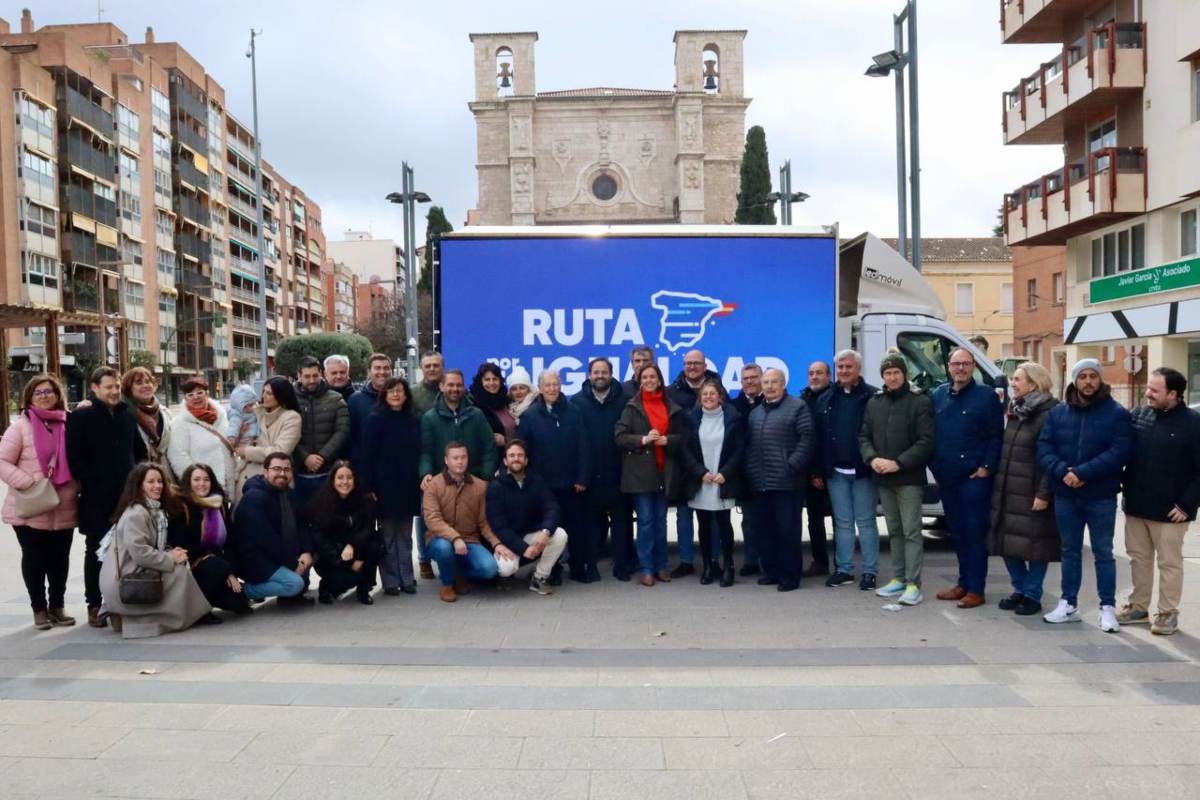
point(928, 357)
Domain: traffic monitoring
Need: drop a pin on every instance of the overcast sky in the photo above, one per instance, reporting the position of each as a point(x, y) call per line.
point(347, 90)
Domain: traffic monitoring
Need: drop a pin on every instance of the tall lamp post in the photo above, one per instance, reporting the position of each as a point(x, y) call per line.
point(408, 197)
point(895, 61)
point(258, 211)
point(785, 196)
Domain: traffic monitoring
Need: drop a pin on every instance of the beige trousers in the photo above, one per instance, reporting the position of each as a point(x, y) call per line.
point(1144, 540)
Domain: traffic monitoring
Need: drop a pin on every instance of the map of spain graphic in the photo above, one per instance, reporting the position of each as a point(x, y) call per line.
point(686, 316)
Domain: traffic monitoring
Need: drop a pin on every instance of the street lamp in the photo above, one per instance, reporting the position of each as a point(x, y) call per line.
point(408, 197)
point(785, 196)
point(251, 53)
point(896, 61)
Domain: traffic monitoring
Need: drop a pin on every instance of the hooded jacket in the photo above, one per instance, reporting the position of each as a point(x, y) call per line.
point(898, 425)
point(1092, 439)
point(1017, 531)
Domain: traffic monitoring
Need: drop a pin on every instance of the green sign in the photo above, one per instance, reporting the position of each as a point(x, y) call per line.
point(1176, 275)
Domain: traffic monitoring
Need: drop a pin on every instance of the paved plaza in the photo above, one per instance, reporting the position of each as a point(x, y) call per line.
point(606, 690)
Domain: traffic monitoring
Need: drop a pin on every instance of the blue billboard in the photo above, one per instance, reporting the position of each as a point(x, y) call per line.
point(555, 303)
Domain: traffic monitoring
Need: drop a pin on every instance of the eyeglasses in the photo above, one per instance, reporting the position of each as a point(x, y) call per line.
point(280, 470)
point(693, 363)
point(44, 393)
point(962, 364)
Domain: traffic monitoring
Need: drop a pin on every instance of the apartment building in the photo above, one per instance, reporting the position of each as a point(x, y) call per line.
point(341, 288)
point(1121, 94)
point(125, 196)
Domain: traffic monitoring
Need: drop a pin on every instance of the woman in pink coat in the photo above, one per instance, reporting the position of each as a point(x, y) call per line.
point(34, 447)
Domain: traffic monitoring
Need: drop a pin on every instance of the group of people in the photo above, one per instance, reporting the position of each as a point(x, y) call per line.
point(225, 509)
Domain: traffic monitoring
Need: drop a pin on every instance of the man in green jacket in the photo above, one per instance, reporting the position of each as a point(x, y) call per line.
point(425, 391)
point(896, 442)
point(454, 419)
point(324, 431)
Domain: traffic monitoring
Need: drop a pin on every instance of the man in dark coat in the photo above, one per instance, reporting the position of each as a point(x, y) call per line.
point(777, 454)
point(324, 429)
point(969, 421)
point(363, 402)
point(273, 550)
point(100, 442)
point(816, 494)
point(599, 403)
point(640, 356)
point(337, 376)
point(1162, 491)
point(748, 399)
point(524, 515)
point(1084, 446)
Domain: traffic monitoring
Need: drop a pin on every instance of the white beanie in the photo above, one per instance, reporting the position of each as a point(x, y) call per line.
point(519, 377)
point(1081, 365)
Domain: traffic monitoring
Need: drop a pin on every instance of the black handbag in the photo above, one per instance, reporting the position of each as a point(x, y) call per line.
point(142, 587)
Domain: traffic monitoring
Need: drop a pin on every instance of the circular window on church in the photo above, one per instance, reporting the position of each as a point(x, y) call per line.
point(604, 186)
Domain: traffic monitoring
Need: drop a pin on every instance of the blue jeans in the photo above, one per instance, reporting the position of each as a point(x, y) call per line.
point(478, 564)
point(967, 504)
point(652, 531)
point(1027, 576)
point(685, 532)
point(282, 583)
point(777, 521)
point(1100, 517)
point(853, 500)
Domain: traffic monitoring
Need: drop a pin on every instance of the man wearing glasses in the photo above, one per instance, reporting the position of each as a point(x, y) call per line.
point(273, 550)
point(969, 423)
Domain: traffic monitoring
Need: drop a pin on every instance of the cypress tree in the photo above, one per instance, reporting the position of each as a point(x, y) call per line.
point(435, 225)
point(753, 207)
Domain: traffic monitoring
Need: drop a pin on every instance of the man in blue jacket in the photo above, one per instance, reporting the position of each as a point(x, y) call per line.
point(362, 403)
point(600, 402)
point(969, 421)
point(1083, 448)
point(521, 510)
point(273, 552)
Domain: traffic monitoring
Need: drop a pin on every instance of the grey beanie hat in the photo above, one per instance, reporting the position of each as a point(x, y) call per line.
point(1081, 365)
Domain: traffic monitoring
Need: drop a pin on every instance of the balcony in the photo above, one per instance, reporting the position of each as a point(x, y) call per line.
point(188, 244)
point(195, 282)
point(187, 173)
point(1028, 21)
point(98, 163)
point(184, 100)
point(1064, 92)
point(87, 112)
point(191, 209)
point(248, 353)
point(244, 295)
point(1105, 187)
point(191, 137)
point(245, 324)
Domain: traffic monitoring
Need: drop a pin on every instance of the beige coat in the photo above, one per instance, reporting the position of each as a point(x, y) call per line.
point(277, 431)
point(137, 543)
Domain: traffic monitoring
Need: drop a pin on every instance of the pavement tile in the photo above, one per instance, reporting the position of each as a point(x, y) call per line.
point(669, 785)
point(812, 722)
point(260, 719)
point(46, 712)
point(1021, 750)
point(495, 784)
point(920, 721)
point(1117, 783)
point(660, 723)
point(776, 752)
point(450, 752)
point(179, 745)
point(330, 749)
point(592, 754)
point(73, 778)
point(1155, 748)
point(57, 741)
point(321, 783)
point(937, 783)
point(528, 723)
point(172, 716)
point(855, 752)
point(818, 784)
point(401, 721)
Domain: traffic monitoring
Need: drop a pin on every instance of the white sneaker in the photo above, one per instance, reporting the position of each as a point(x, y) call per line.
point(912, 595)
point(1064, 612)
point(1108, 619)
point(893, 588)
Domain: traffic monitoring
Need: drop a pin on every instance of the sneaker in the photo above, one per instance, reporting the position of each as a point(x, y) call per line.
point(1028, 607)
point(1128, 615)
point(1063, 612)
point(555, 578)
point(912, 595)
point(839, 578)
point(540, 586)
point(1108, 619)
point(1012, 602)
point(867, 584)
point(1165, 624)
point(893, 588)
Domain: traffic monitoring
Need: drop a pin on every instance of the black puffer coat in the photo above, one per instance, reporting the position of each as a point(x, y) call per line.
point(1017, 531)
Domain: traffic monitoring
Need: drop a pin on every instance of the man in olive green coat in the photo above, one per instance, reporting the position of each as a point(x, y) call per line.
point(896, 442)
point(454, 419)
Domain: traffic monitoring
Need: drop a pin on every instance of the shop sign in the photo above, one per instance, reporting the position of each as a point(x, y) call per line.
point(1176, 275)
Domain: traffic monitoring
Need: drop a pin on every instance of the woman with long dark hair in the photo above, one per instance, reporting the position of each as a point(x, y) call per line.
point(279, 426)
point(341, 522)
point(390, 474)
point(490, 395)
point(202, 529)
point(139, 542)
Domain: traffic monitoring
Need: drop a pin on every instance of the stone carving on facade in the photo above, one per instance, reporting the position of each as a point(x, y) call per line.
point(562, 153)
point(647, 150)
point(691, 123)
point(520, 134)
point(521, 183)
point(581, 203)
point(691, 175)
point(603, 130)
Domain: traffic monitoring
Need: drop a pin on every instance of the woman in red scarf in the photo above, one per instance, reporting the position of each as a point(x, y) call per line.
point(198, 434)
point(650, 434)
point(34, 448)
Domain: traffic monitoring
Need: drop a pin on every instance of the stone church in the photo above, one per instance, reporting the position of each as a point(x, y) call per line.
point(607, 155)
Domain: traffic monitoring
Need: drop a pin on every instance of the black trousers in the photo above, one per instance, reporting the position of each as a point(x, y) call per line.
point(777, 518)
point(816, 502)
point(91, 567)
point(339, 578)
point(723, 525)
point(604, 509)
point(45, 561)
point(582, 548)
point(212, 575)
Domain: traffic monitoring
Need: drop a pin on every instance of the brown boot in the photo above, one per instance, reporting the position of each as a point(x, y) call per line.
point(953, 593)
point(41, 621)
point(664, 576)
point(462, 585)
point(426, 571)
point(971, 600)
point(116, 622)
point(448, 594)
point(647, 580)
point(95, 618)
point(59, 617)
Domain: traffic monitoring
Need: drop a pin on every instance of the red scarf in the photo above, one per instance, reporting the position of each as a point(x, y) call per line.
point(207, 414)
point(655, 406)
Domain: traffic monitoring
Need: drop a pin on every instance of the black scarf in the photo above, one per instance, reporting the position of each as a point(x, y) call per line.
point(488, 400)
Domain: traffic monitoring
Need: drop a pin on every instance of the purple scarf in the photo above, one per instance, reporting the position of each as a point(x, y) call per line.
point(51, 443)
point(212, 534)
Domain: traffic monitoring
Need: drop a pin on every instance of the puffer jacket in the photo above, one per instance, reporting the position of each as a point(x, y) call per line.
point(197, 442)
point(1092, 439)
point(599, 422)
point(1164, 469)
point(898, 425)
point(1017, 531)
point(639, 467)
point(970, 427)
point(559, 449)
point(325, 428)
point(780, 445)
point(440, 426)
point(19, 468)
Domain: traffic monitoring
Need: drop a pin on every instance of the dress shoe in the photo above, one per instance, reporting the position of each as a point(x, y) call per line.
point(622, 576)
point(683, 570)
point(426, 571)
point(953, 593)
point(364, 597)
point(59, 617)
point(95, 618)
point(664, 577)
point(462, 585)
point(408, 588)
point(592, 573)
point(767, 580)
point(392, 591)
point(747, 570)
point(706, 574)
point(971, 600)
point(814, 569)
point(448, 594)
point(787, 586)
point(646, 580)
point(578, 575)
point(295, 601)
point(209, 619)
point(325, 598)
point(1012, 602)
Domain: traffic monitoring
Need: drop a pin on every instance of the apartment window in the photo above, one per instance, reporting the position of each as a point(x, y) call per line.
point(1119, 251)
point(964, 299)
point(37, 168)
point(135, 295)
point(165, 260)
point(1031, 350)
point(163, 223)
point(1137, 243)
point(1059, 289)
point(1102, 136)
point(132, 252)
point(131, 208)
point(137, 336)
point(40, 220)
point(1108, 355)
point(1189, 244)
point(1006, 298)
point(129, 165)
point(1031, 293)
point(41, 270)
point(160, 110)
point(162, 145)
point(37, 116)
point(166, 304)
point(127, 122)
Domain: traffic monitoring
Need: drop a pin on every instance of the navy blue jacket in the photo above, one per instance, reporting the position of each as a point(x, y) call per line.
point(599, 423)
point(779, 445)
point(558, 448)
point(361, 404)
point(258, 545)
point(392, 457)
point(731, 461)
point(514, 511)
point(970, 431)
point(745, 405)
point(1094, 441)
point(683, 395)
point(837, 415)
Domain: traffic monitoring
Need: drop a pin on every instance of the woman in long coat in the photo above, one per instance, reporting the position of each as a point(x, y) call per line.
point(198, 433)
point(139, 539)
point(279, 428)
